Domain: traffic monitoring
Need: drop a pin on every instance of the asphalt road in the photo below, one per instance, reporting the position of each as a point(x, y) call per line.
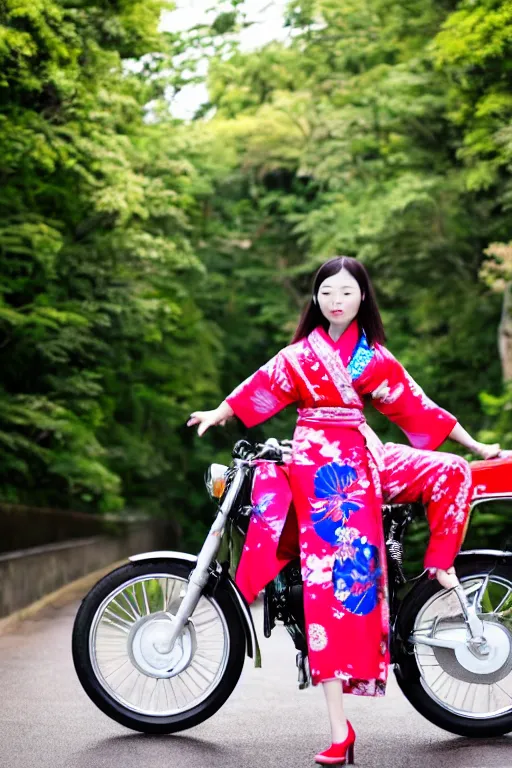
point(47, 721)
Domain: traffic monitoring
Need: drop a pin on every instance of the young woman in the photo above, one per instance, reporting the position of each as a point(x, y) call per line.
point(337, 479)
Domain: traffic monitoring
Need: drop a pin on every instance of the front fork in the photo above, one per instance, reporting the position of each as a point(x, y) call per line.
point(201, 573)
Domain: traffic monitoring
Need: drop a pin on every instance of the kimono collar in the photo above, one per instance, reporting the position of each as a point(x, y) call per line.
point(346, 343)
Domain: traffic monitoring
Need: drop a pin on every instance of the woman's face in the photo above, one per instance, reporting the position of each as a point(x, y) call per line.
point(339, 298)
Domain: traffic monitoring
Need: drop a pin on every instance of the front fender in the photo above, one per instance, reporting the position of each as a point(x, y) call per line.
point(164, 554)
point(240, 604)
point(246, 618)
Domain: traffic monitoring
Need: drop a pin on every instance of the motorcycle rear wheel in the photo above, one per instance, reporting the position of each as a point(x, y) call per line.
point(121, 621)
point(413, 677)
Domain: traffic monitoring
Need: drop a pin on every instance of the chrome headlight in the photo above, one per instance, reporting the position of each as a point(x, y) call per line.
point(215, 480)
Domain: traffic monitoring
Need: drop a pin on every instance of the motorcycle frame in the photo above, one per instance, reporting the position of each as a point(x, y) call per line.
point(207, 572)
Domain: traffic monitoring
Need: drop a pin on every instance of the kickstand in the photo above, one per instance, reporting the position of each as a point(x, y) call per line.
point(304, 673)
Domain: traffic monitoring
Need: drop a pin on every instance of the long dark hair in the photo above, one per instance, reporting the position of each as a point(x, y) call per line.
point(368, 317)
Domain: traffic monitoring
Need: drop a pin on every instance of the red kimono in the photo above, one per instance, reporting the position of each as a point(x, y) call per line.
point(337, 478)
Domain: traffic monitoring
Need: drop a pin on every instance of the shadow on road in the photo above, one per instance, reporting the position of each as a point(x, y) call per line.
point(462, 752)
point(119, 750)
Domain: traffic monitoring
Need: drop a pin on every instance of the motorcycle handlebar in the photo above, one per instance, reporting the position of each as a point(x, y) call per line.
point(271, 450)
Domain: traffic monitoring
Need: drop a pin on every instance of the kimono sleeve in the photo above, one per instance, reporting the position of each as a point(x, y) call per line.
point(424, 423)
point(265, 393)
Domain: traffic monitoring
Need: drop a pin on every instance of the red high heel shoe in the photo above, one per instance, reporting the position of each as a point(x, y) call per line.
point(339, 754)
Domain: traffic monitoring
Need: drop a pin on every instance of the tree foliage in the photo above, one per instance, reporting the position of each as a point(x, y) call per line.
point(103, 344)
point(149, 265)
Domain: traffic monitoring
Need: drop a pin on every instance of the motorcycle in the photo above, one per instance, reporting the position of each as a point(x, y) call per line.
point(159, 643)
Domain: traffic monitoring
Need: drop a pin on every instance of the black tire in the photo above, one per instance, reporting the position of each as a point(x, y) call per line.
point(114, 709)
point(407, 671)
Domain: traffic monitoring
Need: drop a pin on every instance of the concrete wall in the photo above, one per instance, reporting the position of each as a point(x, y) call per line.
point(22, 527)
point(28, 574)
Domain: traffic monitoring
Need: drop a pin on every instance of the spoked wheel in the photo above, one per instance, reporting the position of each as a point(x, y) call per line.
point(122, 659)
point(461, 689)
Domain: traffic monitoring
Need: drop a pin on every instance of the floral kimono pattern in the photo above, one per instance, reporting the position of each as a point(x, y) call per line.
point(332, 489)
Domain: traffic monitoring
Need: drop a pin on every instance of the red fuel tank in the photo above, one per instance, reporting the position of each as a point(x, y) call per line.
point(492, 477)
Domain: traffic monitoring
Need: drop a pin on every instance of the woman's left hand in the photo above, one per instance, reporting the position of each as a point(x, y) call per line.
point(487, 451)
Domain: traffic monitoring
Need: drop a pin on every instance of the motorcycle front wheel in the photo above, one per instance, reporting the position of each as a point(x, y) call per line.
point(459, 691)
point(121, 659)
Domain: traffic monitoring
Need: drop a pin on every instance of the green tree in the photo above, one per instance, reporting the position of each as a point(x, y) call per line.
point(104, 347)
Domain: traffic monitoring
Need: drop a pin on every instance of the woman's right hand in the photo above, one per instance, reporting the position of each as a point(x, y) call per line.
point(207, 419)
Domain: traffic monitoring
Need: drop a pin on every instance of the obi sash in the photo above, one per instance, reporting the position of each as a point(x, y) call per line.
point(348, 418)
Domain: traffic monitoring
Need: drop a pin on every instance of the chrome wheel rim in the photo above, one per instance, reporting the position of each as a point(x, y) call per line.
point(123, 633)
point(456, 680)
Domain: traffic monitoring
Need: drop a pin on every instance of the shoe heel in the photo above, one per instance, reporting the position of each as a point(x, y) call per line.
point(350, 755)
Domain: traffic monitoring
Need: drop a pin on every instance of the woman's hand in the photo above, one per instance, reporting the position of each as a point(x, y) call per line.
point(207, 419)
point(482, 450)
point(486, 451)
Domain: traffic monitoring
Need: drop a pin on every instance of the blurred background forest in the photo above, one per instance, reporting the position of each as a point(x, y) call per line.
point(150, 263)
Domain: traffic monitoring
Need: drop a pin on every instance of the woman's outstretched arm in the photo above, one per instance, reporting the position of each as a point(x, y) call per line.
point(396, 395)
point(270, 389)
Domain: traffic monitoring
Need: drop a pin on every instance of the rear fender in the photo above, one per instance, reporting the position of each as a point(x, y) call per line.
point(502, 554)
point(238, 600)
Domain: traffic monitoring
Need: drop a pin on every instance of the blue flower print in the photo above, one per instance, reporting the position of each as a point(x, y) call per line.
point(265, 501)
point(355, 574)
point(332, 482)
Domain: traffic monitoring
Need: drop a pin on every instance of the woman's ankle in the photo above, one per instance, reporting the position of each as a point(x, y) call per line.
point(340, 732)
point(448, 579)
